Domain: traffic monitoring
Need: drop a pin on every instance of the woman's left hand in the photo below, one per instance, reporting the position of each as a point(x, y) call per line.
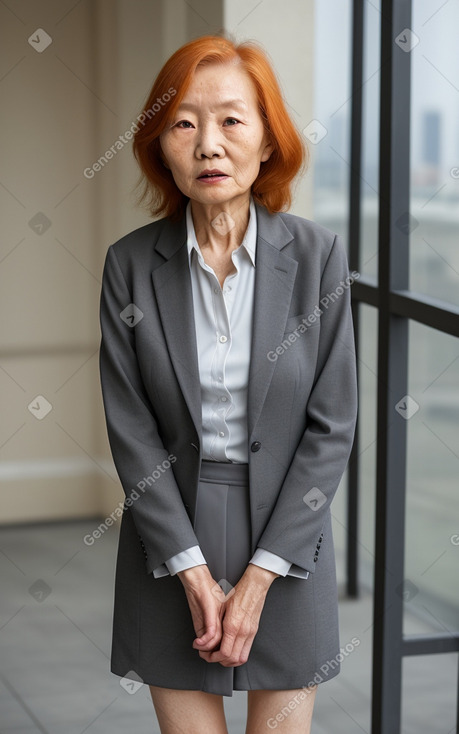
point(241, 617)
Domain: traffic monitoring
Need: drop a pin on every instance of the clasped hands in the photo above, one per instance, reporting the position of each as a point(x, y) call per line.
point(226, 625)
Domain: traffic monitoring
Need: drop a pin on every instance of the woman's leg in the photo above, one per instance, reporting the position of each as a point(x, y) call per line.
point(289, 711)
point(188, 712)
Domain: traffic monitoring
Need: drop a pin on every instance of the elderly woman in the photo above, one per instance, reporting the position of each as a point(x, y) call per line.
point(228, 377)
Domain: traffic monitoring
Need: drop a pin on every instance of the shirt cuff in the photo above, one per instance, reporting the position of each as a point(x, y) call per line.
point(277, 564)
point(185, 559)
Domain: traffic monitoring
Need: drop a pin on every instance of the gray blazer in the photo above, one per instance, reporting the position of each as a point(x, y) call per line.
point(302, 403)
point(301, 392)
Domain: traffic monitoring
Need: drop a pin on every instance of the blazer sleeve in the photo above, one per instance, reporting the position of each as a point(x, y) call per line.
point(157, 507)
point(295, 526)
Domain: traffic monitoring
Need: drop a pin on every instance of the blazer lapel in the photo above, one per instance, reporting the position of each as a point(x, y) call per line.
point(172, 282)
point(274, 279)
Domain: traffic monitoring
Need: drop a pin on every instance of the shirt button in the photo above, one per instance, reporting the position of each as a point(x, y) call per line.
point(223, 338)
point(221, 433)
point(215, 290)
point(256, 446)
point(223, 399)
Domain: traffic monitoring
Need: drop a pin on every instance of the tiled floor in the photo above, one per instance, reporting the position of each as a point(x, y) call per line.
point(55, 630)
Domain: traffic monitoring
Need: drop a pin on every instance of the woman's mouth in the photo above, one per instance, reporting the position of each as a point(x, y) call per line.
point(212, 176)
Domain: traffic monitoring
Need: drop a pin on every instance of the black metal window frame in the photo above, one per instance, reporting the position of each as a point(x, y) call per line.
point(396, 305)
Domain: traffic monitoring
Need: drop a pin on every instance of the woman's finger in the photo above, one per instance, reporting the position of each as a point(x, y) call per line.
point(239, 631)
point(207, 621)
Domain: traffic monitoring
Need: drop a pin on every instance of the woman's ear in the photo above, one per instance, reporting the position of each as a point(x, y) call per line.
point(269, 147)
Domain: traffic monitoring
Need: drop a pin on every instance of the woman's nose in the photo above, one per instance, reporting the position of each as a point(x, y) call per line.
point(208, 142)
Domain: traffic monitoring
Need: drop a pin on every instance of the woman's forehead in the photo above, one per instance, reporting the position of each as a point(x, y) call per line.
point(228, 85)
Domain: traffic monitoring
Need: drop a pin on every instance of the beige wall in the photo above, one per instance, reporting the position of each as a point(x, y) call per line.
point(67, 105)
point(49, 281)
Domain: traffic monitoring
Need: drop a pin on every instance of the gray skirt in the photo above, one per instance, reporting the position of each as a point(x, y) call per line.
point(152, 624)
point(222, 526)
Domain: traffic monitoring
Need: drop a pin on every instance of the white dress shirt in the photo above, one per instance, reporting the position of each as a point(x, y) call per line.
point(223, 320)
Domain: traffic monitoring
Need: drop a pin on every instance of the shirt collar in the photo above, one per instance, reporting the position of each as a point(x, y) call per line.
point(250, 237)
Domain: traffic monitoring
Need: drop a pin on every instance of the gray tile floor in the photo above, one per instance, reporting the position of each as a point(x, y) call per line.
point(55, 634)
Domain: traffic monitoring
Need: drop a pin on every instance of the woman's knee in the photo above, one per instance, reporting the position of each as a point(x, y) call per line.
point(188, 712)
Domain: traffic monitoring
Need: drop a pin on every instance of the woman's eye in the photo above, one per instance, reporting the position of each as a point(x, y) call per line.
point(186, 124)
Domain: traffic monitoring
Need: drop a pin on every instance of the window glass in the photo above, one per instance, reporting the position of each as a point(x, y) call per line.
point(432, 500)
point(369, 184)
point(328, 133)
point(434, 208)
point(429, 692)
point(368, 386)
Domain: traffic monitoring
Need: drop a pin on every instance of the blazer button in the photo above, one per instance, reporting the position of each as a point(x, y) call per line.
point(256, 446)
point(143, 546)
point(195, 447)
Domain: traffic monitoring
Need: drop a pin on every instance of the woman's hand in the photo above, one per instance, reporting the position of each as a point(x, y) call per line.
point(241, 614)
point(207, 602)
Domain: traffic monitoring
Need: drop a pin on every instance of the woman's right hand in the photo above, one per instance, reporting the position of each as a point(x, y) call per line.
point(206, 600)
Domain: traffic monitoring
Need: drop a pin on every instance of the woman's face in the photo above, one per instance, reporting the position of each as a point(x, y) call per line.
point(217, 126)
